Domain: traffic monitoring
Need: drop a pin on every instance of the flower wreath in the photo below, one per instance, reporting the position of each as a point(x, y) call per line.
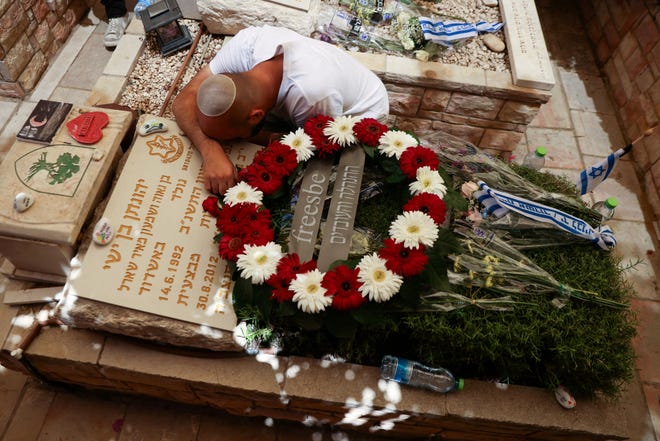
point(246, 233)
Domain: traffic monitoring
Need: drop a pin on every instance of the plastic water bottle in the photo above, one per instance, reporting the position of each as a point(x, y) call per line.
point(141, 5)
point(416, 374)
point(536, 159)
point(606, 208)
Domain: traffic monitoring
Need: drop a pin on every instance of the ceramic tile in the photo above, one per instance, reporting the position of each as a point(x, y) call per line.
point(11, 385)
point(554, 113)
point(561, 146)
point(70, 95)
point(598, 134)
point(30, 413)
point(8, 134)
point(235, 429)
point(634, 244)
point(652, 394)
point(125, 55)
point(108, 89)
point(7, 109)
point(88, 65)
point(159, 421)
point(585, 92)
point(58, 68)
point(647, 342)
point(102, 419)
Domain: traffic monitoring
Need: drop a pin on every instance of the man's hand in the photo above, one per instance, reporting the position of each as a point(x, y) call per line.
point(219, 171)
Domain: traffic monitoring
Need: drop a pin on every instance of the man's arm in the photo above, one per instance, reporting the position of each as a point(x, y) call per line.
point(219, 172)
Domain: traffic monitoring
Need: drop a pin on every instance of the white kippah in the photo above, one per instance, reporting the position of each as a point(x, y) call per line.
point(216, 95)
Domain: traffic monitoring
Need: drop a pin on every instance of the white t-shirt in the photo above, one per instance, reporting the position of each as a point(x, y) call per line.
point(318, 78)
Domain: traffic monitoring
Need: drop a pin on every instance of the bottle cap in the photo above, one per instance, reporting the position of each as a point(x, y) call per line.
point(611, 202)
point(541, 151)
point(460, 384)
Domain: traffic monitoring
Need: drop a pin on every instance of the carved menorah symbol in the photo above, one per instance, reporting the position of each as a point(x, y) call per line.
point(338, 229)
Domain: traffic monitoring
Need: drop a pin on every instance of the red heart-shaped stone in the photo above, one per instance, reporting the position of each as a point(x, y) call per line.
point(87, 128)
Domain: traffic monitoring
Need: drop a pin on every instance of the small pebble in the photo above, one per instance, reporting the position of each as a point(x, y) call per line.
point(564, 398)
point(23, 201)
point(103, 231)
point(493, 43)
point(152, 126)
point(98, 155)
point(490, 3)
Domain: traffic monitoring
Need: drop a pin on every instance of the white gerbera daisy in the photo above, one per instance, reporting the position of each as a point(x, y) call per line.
point(428, 181)
point(395, 142)
point(413, 228)
point(378, 283)
point(301, 143)
point(259, 262)
point(341, 130)
point(243, 193)
point(309, 294)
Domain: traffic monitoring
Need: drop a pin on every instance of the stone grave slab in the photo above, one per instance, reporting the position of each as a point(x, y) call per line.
point(161, 273)
point(528, 54)
point(66, 180)
point(230, 16)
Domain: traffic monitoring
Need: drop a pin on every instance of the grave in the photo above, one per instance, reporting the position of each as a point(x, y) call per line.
point(487, 108)
point(160, 276)
point(51, 227)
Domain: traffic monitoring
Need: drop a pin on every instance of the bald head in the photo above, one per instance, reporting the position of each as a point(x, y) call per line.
point(216, 95)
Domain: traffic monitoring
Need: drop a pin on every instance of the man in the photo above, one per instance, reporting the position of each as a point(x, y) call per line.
point(276, 72)
point(118, 20)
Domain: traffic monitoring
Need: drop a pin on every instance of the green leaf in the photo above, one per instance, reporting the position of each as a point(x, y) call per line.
point(368, 314)
point(243, 294)
point(370, 151)
point(339, 324)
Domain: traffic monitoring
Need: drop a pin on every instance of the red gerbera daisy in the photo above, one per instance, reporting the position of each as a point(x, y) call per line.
point(281, 291)
point(257, 234)
point(290, 265)
point(415, 157)
point(232, 219)
point(369, 131)
point(280, 158)
point(314, 126)
point(401, 260)
point(430, 204)
point(210, 205)
point(230, 247)
point(342, 283)
point(325, 147)
point(261, 178)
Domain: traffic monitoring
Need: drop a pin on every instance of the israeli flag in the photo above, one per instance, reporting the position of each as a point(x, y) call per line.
point(447, 32)
point(589, 178)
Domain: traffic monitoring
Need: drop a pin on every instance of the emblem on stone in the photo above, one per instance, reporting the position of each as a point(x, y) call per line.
point(169, 149)
point(103, 231)
point(87, 128)
point(23, 201)
point(152, 126)
point(564, 398)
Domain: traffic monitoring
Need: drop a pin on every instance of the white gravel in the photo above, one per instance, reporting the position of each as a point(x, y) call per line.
point(153, 75)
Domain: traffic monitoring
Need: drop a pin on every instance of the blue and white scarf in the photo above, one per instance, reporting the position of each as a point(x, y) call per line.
point(448, 32)
point(498, 203)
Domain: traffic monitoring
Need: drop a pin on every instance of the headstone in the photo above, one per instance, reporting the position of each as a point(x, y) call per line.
point(162, 259)
point(530, 63)
point(66, 180)
point(230, 16)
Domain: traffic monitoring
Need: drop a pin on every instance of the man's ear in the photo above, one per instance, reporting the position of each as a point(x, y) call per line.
point(256, 115)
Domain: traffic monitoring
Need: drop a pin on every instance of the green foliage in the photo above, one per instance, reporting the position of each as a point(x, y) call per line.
point(582, 345)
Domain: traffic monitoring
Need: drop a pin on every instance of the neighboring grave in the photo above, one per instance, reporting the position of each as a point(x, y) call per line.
point(162, 260)
point(528, 55)
point(66, 180)
point(230, 16)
